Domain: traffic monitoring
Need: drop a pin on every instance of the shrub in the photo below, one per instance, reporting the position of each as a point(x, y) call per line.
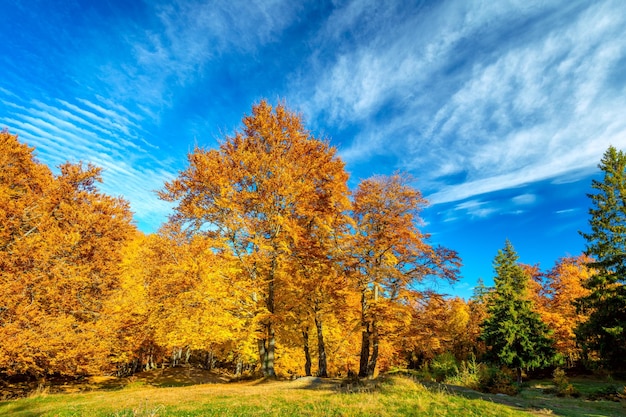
point(562, 386)
point(444, 366)
point(468, 375)
point(497, 381)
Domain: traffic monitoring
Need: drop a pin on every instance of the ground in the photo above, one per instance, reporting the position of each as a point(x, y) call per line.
point(191, 392)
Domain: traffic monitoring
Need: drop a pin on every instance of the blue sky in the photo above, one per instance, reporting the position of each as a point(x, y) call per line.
point(500, 110)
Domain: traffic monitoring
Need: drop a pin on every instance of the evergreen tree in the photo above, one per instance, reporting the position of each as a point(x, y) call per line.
point(514, 334)
point(606, 305)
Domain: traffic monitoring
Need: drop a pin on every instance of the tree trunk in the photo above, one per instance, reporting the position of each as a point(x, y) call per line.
point(365, 353)
point(271, 342)
point(307, 352)
point(519, 376)
point(266, 351)
point(187, 355)
point(365, 339)
point(267, 344)
point(262, 355)
point(371, 366)
point(321, 349)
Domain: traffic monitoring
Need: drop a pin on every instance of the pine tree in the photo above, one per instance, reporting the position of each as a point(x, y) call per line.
point(514, 334)
point(604, 332)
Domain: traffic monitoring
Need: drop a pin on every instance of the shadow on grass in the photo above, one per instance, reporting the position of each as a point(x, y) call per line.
point(535, 398)
point(179, 377)
point(167, 377)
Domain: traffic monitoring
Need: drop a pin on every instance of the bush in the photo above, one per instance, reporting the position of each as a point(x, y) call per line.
point(497, 381)
point(468, 375)
point(562, 386)
point(610, 392)
point(444, 366)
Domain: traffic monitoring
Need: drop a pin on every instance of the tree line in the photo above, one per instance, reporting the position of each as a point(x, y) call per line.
point(271, 264)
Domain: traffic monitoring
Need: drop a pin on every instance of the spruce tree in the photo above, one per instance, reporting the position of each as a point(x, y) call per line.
point(604, 332)
point(514, 334)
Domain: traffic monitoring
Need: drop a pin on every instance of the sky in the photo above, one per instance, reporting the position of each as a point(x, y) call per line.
point(500, 110)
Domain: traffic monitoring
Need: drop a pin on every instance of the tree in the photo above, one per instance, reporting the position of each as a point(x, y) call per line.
point(556, 305)
point(514, 334)
point(257, 196)
point(605, 330)
point(439, 325)
point(391, 256)
point(477, 304)
point(60, 250)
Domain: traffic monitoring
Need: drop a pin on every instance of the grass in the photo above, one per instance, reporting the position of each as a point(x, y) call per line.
point(169, 395)
point(395, 397)
point(586, 405)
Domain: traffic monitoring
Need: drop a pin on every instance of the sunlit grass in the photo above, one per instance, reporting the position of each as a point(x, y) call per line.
point(161, 394)
point(398, 396)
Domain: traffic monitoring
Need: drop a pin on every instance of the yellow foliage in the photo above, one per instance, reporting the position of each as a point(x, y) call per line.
point(60, 249)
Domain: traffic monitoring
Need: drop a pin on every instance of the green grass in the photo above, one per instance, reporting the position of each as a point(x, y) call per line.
point(585, 405)
point(394, 396)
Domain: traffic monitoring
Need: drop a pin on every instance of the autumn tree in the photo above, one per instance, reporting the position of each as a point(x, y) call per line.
point(478, 304)
point(563, 286)
point(513, 332)
point(127, 310)
point(605, 330)
point(439, 324)
point(391, 255)
point(60, 249)
point(266, 190)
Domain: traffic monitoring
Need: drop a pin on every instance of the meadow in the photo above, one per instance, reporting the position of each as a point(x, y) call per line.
point(194, 393)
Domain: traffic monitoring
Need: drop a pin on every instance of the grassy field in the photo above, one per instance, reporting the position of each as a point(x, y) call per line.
point(396, 396)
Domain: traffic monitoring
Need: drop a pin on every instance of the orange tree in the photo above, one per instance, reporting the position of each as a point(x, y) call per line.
point(258, 195)
point(60, 252)
point(390, 256)
point(564, 285)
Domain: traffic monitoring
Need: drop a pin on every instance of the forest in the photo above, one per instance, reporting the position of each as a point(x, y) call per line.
point(271, 266)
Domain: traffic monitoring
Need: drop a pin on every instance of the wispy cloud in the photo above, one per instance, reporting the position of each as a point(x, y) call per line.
point(539, 95)
point(475, 209)
point(93, 132)
point(186, 39)
point(524, 199)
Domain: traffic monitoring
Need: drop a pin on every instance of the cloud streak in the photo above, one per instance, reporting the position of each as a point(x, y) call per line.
point(470, 97)
point(498, 95)
point(92, 132)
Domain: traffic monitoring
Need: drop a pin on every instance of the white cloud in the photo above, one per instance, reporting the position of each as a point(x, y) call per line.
point(187, 37)
point(476, 208)
point(538, 96)
point(62, 131)
point(524, 199)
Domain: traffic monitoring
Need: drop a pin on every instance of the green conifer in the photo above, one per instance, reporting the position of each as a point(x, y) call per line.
point(515, 335)
point(604, 332)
